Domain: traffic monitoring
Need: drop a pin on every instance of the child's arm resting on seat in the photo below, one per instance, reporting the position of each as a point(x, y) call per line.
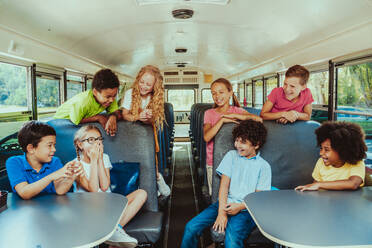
point(211, 131)
point(306, 115)
point(221, 220)
point(101, 119)
point(244, 116)
point(349, 184)
point(28, 190)
point(111, 126)
point(267, 115)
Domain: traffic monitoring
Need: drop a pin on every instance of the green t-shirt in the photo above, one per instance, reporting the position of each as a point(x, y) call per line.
point(81, 106)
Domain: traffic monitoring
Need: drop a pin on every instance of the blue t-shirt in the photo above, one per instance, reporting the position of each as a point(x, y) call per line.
point(19, 170)
point(246, 175)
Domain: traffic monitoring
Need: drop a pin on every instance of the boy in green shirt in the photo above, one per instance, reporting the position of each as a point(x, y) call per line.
point(87, 106)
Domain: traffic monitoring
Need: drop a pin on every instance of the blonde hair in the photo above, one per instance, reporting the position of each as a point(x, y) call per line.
point(80, 135)
point(156, 103)
point(229, 88)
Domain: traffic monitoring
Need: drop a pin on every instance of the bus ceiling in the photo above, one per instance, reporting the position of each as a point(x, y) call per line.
point(236, 39)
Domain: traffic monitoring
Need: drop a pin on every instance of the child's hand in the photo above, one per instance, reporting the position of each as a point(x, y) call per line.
point(290, 116)
point(148, 113)
point(94, 152)
point(257, 118)
point(100, 151)
point(232, 208)
point(111, 126)
point(65, 171)
point(78, 170)
point(220, 223)
point(145, 116)
point(282, 120)
point(312, 186)
point(102, 120)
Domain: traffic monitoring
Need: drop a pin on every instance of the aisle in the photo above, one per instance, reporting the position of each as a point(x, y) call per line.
point(183, 203)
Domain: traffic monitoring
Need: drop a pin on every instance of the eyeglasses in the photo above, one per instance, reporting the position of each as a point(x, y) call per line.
point(92, 140)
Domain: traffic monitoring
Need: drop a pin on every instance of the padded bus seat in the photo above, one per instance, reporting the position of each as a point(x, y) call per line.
point(146, 226)
point(133, 142)
point(290, 149)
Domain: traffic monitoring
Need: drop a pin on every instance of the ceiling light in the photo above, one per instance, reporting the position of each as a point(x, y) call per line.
point(148, 2)
point(180, 50)
point(182, 13)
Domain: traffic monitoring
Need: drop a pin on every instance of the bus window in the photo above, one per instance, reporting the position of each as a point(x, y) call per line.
point(249, 94)
point(73, 88)
point(271, 83)
point(48, 96)
point(258, 94)
point(14, 101)
point(354, 94)
point(318, 84)
point(206, 96)
point(241, 92)
point(89, 84)
point(182, 100)
point(13, 94)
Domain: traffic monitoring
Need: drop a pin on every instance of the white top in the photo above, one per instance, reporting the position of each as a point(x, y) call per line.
point(128, 100)
point(86, 166)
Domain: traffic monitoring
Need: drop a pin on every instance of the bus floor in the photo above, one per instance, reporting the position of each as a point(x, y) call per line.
point(183, 204)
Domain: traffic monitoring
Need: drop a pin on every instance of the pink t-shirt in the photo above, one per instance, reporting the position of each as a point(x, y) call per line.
point(212, 117)
point(282, 104)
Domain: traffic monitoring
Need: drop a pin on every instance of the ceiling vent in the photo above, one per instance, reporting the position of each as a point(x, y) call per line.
point(182, 13)
point(190, 73)
point(171, 73)
point(180, 50)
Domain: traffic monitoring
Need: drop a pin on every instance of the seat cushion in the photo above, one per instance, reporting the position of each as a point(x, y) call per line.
point(146, 226)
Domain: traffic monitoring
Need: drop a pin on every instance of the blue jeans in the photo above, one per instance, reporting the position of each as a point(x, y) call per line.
point(238, 227)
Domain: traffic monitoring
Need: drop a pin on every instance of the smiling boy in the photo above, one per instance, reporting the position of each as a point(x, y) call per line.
point(38, 171)
point(291, 102)
point(86, 106)
point(243, 171)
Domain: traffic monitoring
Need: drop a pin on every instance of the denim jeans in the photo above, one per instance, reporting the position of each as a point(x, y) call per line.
point(238, 227)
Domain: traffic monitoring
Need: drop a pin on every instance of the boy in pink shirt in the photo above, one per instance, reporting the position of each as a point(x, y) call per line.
point(291, 102)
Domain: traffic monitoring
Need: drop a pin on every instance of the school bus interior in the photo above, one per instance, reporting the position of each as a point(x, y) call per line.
point(50, 50)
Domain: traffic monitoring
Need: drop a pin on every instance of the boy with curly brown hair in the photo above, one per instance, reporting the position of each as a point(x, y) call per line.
point(243, 171)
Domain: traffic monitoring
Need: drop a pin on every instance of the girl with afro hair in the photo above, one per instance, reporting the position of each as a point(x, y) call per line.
point(340, 166)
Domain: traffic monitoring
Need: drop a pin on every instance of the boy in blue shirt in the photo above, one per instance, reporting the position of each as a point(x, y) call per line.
point(38, 171)
point(242, 172)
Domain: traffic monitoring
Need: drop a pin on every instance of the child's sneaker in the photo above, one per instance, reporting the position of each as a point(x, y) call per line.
point(162, 186)
point(122, 239)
